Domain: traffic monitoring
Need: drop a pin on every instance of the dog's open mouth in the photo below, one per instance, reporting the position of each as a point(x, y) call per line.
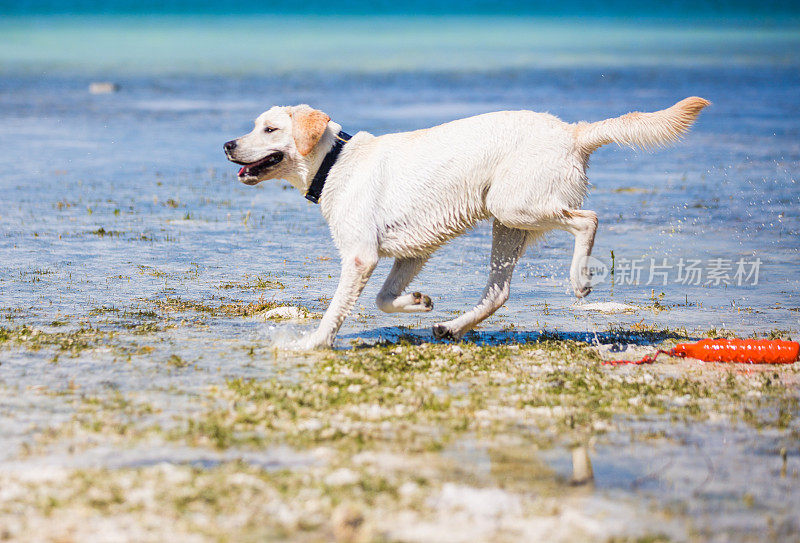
point(255, 168)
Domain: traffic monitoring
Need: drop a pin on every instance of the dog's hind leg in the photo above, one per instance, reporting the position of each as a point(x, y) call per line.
point(508, 244)
point(582, 224)
point(390, 298)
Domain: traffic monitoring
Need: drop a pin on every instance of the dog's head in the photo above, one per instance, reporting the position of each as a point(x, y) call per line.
point(278, 145)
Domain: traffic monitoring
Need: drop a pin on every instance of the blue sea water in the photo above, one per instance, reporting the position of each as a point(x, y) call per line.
point(145, 163)
point(673, 8)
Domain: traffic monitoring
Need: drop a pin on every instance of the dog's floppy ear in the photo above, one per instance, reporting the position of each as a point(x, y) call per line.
point(308, 125)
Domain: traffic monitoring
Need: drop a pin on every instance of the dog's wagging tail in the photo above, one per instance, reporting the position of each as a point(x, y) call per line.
point(404, 195)
point(644, 130)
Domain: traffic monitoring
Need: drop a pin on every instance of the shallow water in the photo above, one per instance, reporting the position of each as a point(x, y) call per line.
point(713, 473)
point(116, 199)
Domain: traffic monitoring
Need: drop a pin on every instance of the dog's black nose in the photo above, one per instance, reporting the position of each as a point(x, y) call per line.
point(229, 146)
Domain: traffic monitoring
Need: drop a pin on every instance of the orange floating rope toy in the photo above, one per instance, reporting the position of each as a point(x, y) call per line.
point(742, 351)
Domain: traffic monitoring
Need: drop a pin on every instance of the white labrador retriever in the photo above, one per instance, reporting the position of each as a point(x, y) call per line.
point(404, 195)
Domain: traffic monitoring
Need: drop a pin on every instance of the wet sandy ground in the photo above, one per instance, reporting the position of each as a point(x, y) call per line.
point(182, 421)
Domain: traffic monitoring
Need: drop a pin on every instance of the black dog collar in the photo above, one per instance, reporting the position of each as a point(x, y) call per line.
point(315, 189)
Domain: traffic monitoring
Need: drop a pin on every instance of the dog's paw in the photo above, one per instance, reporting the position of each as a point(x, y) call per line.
point(582, 292)
point(308, 343)
point(440, 331)
point(581, 280)
point(422, 302)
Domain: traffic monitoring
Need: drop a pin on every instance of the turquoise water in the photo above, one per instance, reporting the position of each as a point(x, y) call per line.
point(271, 44)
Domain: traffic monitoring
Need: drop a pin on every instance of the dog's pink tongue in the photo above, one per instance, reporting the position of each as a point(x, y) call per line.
point(242, 170)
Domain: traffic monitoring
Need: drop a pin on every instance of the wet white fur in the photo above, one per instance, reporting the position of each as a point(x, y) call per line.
point(404, 195)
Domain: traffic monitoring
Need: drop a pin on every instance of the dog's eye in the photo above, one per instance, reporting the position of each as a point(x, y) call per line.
point(269, 129)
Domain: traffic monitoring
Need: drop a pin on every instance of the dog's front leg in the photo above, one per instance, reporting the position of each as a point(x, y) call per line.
point(356, 270)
